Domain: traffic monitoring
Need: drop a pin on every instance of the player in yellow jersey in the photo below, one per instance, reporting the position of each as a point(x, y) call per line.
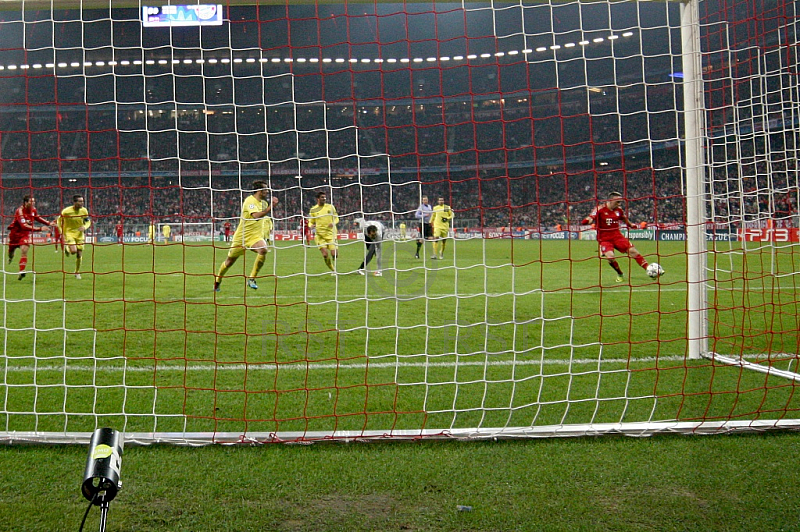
point(151, 232)
point(403, 232)
point(322, 219)
point(73, 223)
point(267, 229)
point(441, 220)
point(166, 230)
point(249, 234)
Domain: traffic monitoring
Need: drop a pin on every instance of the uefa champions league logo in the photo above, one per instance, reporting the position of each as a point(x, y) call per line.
point(206, 12)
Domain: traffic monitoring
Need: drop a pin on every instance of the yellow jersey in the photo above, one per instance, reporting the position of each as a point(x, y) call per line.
point(441, 217)
point(250, 230)
point(71, 220)
point(266, 226)
point(322, 217)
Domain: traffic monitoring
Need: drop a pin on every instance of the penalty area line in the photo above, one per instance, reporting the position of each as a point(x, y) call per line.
point(312, 366)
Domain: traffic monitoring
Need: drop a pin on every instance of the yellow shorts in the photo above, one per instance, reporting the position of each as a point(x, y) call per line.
point(237, 250)
point(72, 240)
point(325, 241)
point(441, 233)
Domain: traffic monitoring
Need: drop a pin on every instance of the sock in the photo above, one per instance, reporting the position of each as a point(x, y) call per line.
point(442, 246)
point(328, 262)
point(419, 245)
point(614, 264)
point(23, 261)
point(641, 262)
point(361, 266)
point(78, 261)
point(257, 265)
point(222, 271)
point(436, 248)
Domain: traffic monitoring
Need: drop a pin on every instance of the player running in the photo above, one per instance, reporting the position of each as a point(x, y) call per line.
point(607, 218)
point(322, 219)
point(20, 232)
point(249, 234)
point(441, 218)
point(73, 222)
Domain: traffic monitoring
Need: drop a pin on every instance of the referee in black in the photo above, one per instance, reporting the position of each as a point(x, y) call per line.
point(423, 214)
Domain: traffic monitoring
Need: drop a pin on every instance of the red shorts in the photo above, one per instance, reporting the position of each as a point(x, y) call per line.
point(16, 240)
point(620, 243)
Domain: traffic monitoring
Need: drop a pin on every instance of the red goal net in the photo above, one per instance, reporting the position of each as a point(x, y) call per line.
point(494, 149)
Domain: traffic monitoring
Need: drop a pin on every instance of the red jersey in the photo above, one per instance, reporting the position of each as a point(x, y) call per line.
point(227, 227)
point(119, 229)
point(608, 222)
point(22, 226)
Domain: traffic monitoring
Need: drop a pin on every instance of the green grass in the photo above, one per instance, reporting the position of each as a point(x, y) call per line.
point(520, 334)
point(731, 483)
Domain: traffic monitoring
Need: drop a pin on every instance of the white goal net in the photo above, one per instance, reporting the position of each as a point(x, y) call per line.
point(480, 137)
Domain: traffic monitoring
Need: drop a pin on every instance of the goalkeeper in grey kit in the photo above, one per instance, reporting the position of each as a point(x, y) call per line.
point(374, 232)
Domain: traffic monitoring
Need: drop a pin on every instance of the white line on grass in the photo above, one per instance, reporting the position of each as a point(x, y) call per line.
point(372, 297)
point(363, 365)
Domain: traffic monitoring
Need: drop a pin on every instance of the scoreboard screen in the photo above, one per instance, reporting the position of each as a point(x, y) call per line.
point(177, 15)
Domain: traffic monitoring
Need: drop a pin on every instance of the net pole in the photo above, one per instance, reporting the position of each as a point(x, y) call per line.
point(697, 298)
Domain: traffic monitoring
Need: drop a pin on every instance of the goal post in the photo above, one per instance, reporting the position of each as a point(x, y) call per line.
point(696, 196)
point(491, 311)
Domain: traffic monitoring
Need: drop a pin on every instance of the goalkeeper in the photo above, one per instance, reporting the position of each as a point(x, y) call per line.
point(249, 234)
point(374, 232)
point(441, 219)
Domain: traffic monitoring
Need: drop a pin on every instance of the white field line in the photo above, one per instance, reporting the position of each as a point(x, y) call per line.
point(342, 366)
point(372, 297)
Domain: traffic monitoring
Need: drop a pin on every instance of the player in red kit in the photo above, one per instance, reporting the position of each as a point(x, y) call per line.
point(226, 227)
point(120, 230)
point(607, 218)
point(308, 237)
point(57, 237)
point(21, 229)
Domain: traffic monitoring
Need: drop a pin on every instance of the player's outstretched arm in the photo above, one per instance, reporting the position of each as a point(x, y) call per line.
point(625, 219)
point(42, 221)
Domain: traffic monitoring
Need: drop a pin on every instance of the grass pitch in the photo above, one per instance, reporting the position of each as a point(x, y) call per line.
point(500, 334)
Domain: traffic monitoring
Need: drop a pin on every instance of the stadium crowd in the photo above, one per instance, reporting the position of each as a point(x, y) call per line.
point(498, 165)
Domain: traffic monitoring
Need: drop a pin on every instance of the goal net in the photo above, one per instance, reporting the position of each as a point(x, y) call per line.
point(189, 232)
point(752, 93)
point(516, 121)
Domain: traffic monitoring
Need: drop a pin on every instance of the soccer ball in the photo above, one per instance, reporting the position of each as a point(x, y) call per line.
point(655, 270)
